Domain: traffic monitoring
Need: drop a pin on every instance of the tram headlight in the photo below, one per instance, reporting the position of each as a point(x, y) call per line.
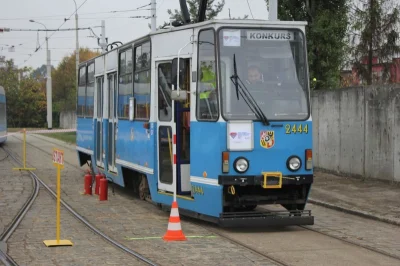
point(241, 165)
point(293, 163)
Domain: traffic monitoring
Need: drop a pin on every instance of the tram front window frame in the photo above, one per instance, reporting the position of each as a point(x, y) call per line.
point(267, 51)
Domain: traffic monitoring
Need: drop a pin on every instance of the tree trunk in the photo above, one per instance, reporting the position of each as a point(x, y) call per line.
point(370, 51)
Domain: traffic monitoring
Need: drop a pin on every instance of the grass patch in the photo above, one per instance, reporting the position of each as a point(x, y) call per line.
point(69, 137)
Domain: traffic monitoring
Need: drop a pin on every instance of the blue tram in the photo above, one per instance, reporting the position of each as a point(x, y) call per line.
point(217, 113)
point(3, 116)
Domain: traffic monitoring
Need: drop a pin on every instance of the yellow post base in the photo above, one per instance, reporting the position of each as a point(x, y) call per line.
point(55, 243)
point(26, 169)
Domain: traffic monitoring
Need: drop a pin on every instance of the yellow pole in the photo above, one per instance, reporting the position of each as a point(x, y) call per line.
point(24, 147)
point(58, 161)
point(58, 203)
point(24, 153)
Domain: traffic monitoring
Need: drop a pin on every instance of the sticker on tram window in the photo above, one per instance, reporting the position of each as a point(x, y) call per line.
point(296, 129)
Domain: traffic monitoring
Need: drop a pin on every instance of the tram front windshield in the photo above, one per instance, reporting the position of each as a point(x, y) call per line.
point(271, 64)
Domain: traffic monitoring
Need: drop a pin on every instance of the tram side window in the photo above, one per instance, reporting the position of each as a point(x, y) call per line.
point(125, 83)
point(90, 91)
point(81, 92)
point(164, 92)
point(142, 76)
point(207, 94)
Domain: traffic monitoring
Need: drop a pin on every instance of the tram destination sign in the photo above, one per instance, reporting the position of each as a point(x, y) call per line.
point(270, 35)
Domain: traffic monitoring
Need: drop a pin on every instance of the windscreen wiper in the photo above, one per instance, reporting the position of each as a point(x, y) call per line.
point(235, 77)
point(247, 97)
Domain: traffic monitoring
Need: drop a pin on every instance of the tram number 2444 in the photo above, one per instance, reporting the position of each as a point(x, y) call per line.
point(296, 129)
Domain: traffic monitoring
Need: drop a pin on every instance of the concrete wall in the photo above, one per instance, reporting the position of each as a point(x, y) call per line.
point(357, 131)
point(68, 119)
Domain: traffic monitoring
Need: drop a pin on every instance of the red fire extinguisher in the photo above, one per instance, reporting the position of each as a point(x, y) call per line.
point(97, 187)
point(88, 183)
point(103, 189)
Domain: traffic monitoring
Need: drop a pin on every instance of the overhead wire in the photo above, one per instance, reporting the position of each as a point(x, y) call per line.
point(60, 16)
point(54, 32)
point(250, 9)
point(141, 18)
point(135, 9)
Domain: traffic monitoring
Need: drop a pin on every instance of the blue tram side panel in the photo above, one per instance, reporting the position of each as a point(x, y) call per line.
point(3, 116)
point(237, 163)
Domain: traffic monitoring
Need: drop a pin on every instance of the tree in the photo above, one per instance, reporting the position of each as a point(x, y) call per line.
point(212, 11)
point(64, 80)
point(29, 107)
point(326, 36)
point(375, 34)
point(40, 72)
point(26, 103)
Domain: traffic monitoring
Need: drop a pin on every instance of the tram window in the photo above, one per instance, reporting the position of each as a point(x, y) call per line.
point(124, 92)
point(207, 94)
point(165, 154)
point(125, 83)
point(164, 92)
point(129, 66)
point(81, 92)
point(90, 92)
point(142, 76)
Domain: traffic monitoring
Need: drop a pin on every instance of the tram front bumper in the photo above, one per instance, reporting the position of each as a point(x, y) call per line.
point(266, 180)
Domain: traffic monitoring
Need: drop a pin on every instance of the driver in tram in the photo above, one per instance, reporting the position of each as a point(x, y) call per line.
point(254, 75)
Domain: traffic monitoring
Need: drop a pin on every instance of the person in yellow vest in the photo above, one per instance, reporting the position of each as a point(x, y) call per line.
point(208, 92)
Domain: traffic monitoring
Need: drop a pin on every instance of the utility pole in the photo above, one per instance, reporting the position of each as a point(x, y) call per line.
point(49, 88)
point(103, 43)
point(48, 82)
point(77, 46)
point(273, 10)
point(153, 16)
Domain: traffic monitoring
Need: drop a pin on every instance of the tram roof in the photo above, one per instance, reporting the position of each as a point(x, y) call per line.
point(222, 22)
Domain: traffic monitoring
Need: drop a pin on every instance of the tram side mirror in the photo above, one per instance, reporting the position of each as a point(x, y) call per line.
point(131, 108)
point(182, 72)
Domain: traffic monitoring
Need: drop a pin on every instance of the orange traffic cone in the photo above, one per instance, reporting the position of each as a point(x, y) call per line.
point(174, 232)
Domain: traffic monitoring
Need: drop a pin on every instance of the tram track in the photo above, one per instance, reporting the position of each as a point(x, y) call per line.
point(5, 258)
point(278, 261)
point(352, 243)
point(249, 247)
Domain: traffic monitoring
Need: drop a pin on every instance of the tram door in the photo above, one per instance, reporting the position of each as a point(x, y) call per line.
point(173, 119)
point(112, 120)
point(99, 121)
